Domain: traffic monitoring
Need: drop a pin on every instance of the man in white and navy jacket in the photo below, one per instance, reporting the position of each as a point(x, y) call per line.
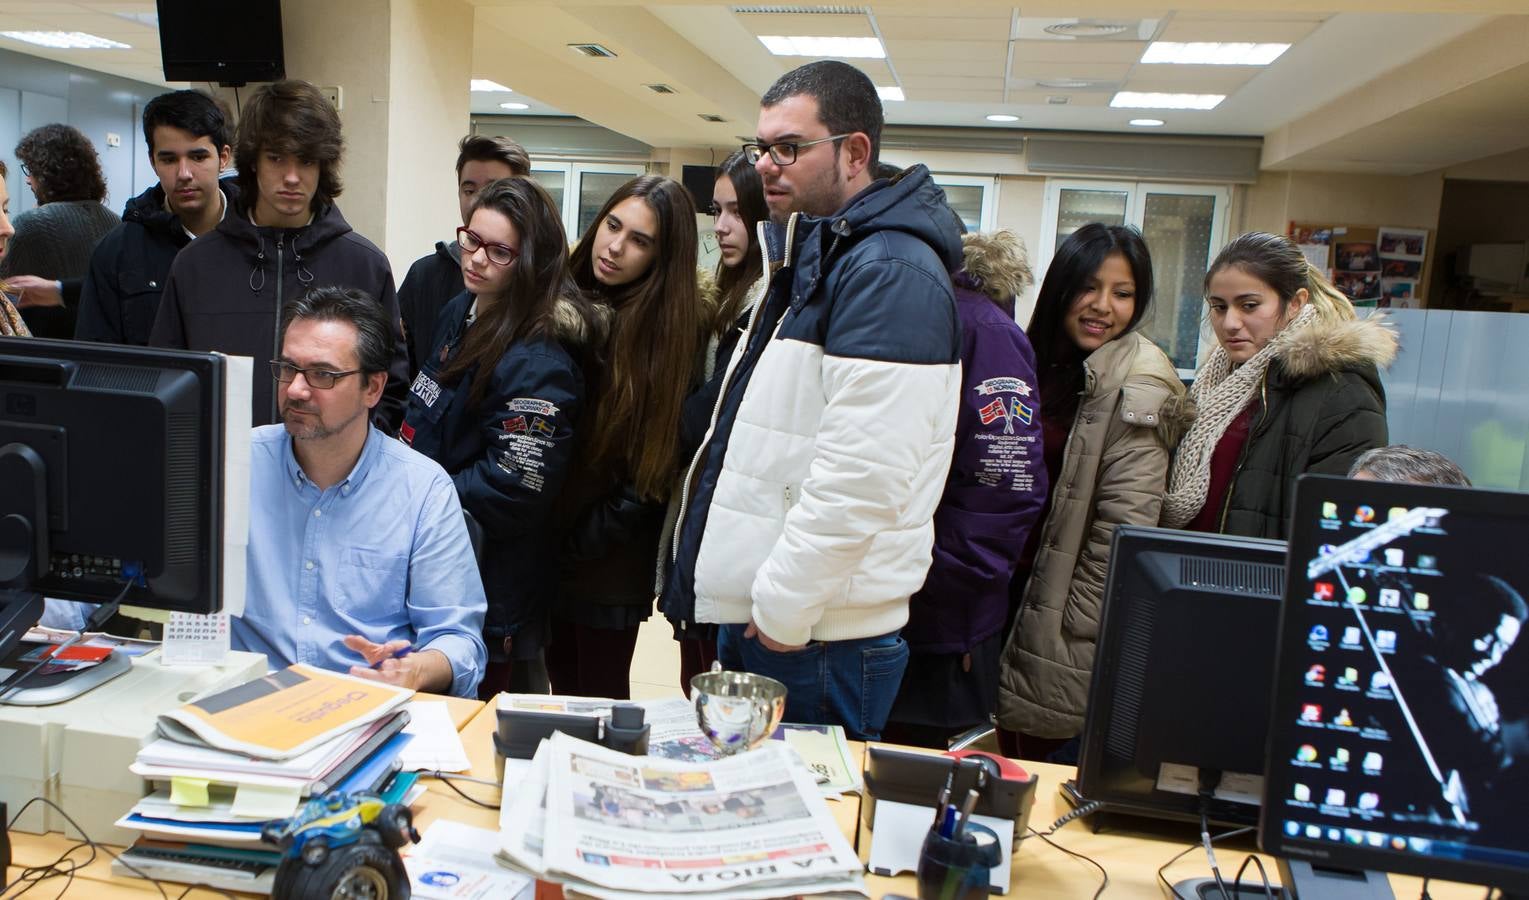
point(808, 522)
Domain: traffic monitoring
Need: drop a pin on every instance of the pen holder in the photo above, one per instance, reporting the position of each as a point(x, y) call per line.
point(957, 868)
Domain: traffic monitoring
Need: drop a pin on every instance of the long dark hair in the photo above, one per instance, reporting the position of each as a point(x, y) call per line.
point(1059, 362)
point(733, 283)
point(539, 281)
point(650, 355)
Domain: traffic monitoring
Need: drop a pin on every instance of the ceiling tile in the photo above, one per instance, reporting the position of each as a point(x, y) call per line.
point(875, 69)
point(941, 28)
point(1074, 98)
point(817, 25)
point(1048, 71)
point(979, 67)
point(953, 82)
point(1253, 32)
point(1263, 15)
point(949, 96)
point(969, 50)
point(1079, 51)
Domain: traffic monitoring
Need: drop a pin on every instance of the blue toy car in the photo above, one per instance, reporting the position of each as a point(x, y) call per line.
point(343, 845)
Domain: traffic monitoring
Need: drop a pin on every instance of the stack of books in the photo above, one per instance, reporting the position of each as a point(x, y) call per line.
point(225, 765)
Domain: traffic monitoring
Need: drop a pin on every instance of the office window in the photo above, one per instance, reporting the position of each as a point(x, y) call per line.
point(580, 189)
point(973, 198)
point(1184, 226)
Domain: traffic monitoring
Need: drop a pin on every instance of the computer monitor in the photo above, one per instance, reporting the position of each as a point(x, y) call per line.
point(1182, 674)
point(112, 460)
point(1399, 736)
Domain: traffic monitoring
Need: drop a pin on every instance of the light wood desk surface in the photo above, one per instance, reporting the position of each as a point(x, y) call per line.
point(97, 880)
point(1130, 854)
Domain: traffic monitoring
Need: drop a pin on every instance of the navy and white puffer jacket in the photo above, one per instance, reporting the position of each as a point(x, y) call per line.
point(811, 501)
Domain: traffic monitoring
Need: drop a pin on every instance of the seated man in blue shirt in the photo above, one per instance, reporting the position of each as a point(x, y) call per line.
point(359, 558)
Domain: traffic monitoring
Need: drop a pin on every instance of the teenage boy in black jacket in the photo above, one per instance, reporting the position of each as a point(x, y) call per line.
point(226, 290)
point(187, 137)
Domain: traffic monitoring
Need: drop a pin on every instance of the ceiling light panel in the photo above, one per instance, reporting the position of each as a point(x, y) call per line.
point(65, 40)
point(486, 86)
point(1141, 100)
point(514, 106)
point(831, 47)
point(1208, 53)
point(889, 93)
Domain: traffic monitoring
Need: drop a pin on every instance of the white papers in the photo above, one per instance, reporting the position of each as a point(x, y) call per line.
point(436, 744)
point(618, 825)
point(456, 862)
point(825, 752)
point(897, 837)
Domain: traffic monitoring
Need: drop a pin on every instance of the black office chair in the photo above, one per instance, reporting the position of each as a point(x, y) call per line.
point(475, 535)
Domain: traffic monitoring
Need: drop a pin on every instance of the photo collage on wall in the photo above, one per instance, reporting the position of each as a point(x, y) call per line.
point(1373, 267)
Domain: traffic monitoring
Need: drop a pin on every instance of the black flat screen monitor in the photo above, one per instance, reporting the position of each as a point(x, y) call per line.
point(1399, 737)
point(231, 43)
point(1182, 674)
point(125, 449)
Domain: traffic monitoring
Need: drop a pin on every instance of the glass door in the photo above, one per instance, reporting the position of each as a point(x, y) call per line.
point(580, 189)
point(973, 198)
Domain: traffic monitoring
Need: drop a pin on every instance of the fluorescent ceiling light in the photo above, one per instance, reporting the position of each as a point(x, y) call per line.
point(808, 45)
point(66, 40)
point(1147, 123)
point(514, 106)
point(889, 93)
point(485, 86)
point(1202, 53)
point(1138, 100)
point(1002, 117)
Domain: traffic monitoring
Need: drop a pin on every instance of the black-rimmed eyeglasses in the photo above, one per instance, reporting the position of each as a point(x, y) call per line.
point(318, 379)
point(498, 254)
point(783, 153)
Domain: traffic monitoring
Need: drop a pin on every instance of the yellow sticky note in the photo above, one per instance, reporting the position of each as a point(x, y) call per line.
point(188, 791)
point(258, 801)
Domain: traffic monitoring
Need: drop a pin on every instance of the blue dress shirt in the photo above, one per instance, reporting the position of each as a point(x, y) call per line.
point(383, 554)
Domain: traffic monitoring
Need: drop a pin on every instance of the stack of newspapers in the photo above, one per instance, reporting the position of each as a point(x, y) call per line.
point(608, 825)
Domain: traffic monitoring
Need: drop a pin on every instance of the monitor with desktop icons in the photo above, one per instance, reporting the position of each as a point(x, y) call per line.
point(1399, 733)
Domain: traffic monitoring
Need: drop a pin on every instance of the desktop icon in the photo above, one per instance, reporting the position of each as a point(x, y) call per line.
point(1316, 675)
point(1292, 827)
point(1314, 831)
point(1369, 800)
point(1302, 794)
point(1380, 681)
point(1427, 562)
point(1318, 634)
point(1394, 513)
point(1398, 843)
point(1420, 601)
point(1306, 754)
point(1340, 758)
point(1364, 514)
point(1375, 839)
point(1419, 845)
point(1385, 639)
point(1329, 510)
point(1390, 597)
point(1344, 720)
point(1349, 678)
point(1322, 590)
point(1334, 834)
point(1311, 712)
point(1396, 557)
point(1356, 595)
point(1336, 797)
point(1353, 835)
point(1351, 636)
point(1372, 763)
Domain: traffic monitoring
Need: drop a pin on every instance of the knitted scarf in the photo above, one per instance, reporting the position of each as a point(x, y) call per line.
point(1218, 394)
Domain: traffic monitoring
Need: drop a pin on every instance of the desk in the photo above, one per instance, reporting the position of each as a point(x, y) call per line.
point(1041, 872)
point(96, 880)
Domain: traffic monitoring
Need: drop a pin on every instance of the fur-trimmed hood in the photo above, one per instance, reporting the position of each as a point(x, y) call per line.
point(995, 264)
point(1325, 347)
point(577, 330)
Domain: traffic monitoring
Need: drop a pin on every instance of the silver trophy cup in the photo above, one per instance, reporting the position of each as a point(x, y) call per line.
point(737, 711)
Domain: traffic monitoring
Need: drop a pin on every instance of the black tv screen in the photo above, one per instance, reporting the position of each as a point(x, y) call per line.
point(229, 43)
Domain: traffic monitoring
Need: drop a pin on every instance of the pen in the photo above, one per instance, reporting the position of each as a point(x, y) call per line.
point(966, 813)
point(400, 653)
point(949, 826)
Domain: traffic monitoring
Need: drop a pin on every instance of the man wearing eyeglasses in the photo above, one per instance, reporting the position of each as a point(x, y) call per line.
point(359, 559)
point(809, 523)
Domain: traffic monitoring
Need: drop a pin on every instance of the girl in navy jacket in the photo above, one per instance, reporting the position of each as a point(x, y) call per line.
point(496, 404)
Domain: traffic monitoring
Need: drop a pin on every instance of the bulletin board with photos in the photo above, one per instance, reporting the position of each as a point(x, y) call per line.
point(1373, 265)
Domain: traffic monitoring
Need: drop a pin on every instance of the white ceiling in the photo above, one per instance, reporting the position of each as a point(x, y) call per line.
point(956, 62)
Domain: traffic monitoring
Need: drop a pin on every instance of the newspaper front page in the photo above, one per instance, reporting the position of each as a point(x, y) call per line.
point(617, 825)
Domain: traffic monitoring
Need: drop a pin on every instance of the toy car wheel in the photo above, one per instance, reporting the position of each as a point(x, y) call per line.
point(315, 850)
point(361, 883)
point(364, 870)
point(395, 825)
